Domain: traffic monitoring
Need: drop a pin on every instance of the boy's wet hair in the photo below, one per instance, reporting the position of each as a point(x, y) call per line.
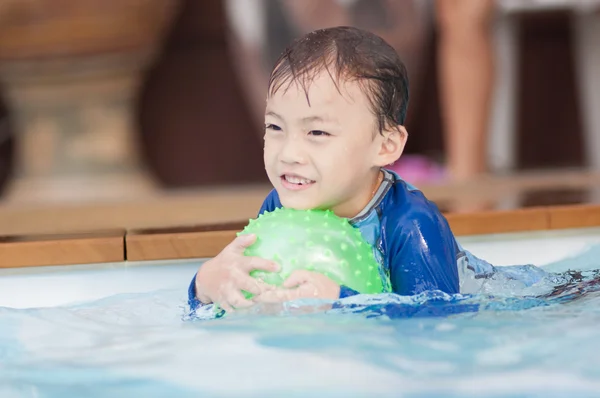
point(354, 55)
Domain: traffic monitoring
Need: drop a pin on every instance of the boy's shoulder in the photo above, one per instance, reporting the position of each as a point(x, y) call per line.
point(405, 213)
point(403, 201)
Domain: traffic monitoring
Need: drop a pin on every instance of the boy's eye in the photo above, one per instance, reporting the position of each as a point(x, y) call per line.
point(269, 126)
point(319, 133)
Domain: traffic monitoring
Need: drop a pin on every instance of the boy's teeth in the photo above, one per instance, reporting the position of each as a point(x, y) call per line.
point(297, 180)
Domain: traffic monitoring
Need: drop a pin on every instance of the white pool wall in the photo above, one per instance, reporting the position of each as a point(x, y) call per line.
point(64, 285)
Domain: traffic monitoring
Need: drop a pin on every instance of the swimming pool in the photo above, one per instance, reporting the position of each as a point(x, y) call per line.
point(123, 329)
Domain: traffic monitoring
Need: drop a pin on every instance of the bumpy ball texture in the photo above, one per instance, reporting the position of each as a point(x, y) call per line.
point(314, 240)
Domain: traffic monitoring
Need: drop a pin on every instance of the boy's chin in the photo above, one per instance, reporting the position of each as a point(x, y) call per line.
point(299, 203)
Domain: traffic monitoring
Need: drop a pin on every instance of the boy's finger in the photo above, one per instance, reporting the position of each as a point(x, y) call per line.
point(239, 244)
point(253, 285)
point(225, 306)
point(237, 300)
point(297, 278)
point(256, 263)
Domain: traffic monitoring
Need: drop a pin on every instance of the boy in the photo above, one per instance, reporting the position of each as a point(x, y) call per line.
point(335, 110)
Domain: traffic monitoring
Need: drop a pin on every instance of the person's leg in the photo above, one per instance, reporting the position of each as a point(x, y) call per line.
point(586, 26)
point(466, 74)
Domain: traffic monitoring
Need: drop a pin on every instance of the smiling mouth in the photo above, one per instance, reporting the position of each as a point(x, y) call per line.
point(296, 180)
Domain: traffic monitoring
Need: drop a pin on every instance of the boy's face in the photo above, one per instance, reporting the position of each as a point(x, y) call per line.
point(326, 154)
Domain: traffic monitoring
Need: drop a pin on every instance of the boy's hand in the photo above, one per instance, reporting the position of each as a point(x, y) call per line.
point(222, 279)
point(301, 284)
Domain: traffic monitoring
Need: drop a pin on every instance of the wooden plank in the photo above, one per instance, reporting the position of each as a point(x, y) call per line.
point(578, 216)
point(490, 187)
point(208, 241)
point(27, 213)
point(179, 243)
point(201, 241)
point(495, 222)
point(207, 206)
point(71, 249)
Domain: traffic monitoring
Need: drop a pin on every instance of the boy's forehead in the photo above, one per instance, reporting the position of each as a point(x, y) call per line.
point(324, 89)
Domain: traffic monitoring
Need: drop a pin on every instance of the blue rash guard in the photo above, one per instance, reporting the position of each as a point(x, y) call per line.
point(413, 244)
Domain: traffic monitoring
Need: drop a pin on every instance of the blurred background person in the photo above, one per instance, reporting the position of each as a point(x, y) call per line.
point(466, 78)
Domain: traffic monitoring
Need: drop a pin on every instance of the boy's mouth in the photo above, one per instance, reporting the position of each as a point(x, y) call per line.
point(295, 182)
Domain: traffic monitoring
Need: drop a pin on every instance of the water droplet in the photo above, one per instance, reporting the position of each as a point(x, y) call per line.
point(344, 246)
point(357, 272)
point(359, 257)
point(326, 238)
point(328, 253)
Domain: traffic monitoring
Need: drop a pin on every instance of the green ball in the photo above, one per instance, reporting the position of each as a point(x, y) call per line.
point(314, 240)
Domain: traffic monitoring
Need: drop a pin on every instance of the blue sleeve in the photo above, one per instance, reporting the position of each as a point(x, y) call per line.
point(345, 291)
point(422, 253)
point(193, 302)
point(270, 203)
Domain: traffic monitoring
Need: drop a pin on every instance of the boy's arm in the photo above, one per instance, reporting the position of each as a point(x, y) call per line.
point(422, 253)
point(193, 301)
point(270, 203)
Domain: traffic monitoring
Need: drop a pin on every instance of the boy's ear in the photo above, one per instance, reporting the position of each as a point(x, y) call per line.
point(392, 145)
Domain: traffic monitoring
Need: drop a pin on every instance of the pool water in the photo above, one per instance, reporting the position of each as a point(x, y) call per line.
point(504, 344)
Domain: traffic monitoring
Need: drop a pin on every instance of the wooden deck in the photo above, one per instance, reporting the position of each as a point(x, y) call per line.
point(201, 223)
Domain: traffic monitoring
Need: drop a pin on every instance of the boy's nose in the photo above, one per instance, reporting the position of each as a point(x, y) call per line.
point(292, 152)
